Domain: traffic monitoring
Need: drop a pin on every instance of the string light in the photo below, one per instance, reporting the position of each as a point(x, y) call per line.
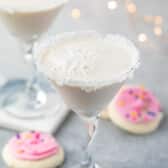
point(112, 5)
point(148, 19)
point(153, 20)
point(157, 31)
point(76, 13)
point(142, 37)
point(131, 7)
point(158, 20)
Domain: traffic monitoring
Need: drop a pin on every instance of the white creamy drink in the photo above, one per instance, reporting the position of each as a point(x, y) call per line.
point(88, 68)
point(29, 18)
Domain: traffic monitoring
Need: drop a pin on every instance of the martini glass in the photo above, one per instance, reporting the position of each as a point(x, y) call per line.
point(27, 22)
point(80, 96)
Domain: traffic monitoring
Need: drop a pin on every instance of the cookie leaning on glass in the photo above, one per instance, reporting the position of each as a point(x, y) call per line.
point(33, 150)
point(134, 109)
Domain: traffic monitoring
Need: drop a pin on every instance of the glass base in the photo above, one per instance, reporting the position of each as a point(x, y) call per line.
point(87, 165)
point(18, 103)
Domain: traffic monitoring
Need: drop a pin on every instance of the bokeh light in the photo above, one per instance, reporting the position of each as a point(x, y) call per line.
point(142, 37)
point(76, 13)
point(112, 5)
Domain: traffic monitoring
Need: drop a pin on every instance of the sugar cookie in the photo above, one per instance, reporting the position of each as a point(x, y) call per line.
point(136, 110)
point(33, 150)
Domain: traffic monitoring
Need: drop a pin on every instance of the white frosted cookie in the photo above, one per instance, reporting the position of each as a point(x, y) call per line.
point(135, 110)
point(33, 150)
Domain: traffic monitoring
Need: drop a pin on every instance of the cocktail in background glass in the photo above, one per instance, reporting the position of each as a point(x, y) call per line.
point(27, 21)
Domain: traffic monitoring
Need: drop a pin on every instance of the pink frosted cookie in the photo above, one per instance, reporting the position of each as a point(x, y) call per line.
point(136, 110)
point(33, 150)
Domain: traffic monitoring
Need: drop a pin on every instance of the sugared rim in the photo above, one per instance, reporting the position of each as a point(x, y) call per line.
point(48, 42)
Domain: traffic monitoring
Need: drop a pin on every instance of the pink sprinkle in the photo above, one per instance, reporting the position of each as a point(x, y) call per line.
point(18, 136)
point(146, 118)
point(35, 153)
point(127, 115)
point(139, 114)
point(34, 142)
point(134, 118)
point(37, 135)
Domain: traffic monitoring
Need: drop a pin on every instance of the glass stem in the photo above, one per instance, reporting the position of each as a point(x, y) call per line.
point(88, 161)
point(34, 95)
point(29, 56)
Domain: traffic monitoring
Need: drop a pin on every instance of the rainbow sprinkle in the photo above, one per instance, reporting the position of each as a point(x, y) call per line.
point(153, 114)
point(121, 103)
point(20, 151)
point(134, 114)
point(18, 136)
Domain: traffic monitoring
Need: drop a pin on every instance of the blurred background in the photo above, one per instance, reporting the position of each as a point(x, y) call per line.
point(143, 21)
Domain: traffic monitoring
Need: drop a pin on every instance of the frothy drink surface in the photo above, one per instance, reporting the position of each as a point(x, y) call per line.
point(88, 61)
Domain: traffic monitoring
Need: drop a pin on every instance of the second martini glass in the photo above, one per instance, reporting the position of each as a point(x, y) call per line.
point(86, 97)
point(27, 21)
